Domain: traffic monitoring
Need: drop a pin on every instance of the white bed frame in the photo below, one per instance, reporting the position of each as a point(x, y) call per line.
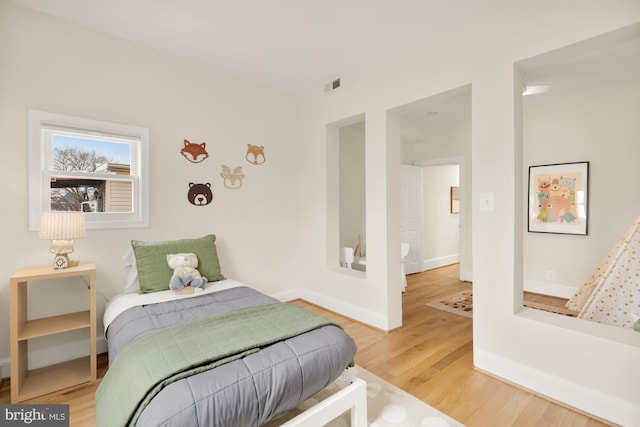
point(353, 396)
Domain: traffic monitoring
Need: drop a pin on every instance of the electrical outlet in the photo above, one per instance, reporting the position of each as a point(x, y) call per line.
point(551, 275)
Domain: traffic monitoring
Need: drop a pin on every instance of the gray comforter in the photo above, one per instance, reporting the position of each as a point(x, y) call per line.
point(245, 392)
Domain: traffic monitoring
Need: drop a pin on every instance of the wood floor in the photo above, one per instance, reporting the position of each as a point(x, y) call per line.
point(429, 357)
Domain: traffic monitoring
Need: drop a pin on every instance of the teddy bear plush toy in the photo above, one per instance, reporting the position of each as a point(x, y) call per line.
point(185, 273)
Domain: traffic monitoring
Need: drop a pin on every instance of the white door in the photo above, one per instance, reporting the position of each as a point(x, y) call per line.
point(411, 216)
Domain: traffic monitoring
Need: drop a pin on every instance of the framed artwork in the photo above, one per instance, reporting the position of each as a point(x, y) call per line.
point(455, 200)
point(558, 198)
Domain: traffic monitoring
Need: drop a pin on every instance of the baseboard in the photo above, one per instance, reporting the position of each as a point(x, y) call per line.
point(289, 295)
point(349, 310)
point(57, 354)
point(551, 289)
point(581, 398)
point(430, 264)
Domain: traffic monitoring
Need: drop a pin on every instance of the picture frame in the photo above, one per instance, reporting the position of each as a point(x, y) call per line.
point(454, 205)
point(559, 198)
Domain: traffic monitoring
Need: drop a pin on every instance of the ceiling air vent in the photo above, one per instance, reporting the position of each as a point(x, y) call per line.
point(332, 86)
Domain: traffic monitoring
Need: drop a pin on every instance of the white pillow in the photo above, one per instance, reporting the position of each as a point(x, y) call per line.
point(132, 285)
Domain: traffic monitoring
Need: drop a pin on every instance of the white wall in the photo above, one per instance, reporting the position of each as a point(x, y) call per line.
point(352, 187)
point(550, 354)
point(52, 65)
point(436, 141)
point(441, 227)
point(575, 126)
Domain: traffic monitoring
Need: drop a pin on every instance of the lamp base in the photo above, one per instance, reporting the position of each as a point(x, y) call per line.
point(60, 261)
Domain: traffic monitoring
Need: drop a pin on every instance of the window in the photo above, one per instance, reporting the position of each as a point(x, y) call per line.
point(96, 167)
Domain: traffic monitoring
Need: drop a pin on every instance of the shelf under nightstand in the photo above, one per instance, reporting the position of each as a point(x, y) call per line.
point(25, 383)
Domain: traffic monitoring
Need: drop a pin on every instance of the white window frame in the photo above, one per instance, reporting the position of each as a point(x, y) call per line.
point(41, 125)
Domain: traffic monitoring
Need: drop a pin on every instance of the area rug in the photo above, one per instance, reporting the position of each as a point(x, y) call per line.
point(387, 406)
point(460, 303)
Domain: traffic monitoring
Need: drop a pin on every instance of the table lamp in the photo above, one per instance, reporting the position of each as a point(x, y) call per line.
point(62, 227)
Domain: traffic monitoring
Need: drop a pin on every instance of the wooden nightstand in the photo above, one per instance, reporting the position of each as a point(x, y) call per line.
point(25, 383)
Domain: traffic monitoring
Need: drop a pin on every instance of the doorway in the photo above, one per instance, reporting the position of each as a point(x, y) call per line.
point(434, 132)
point(431, 214)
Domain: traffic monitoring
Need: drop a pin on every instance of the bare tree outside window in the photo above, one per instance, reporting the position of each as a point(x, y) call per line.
point(73, 159)
point(77, 194)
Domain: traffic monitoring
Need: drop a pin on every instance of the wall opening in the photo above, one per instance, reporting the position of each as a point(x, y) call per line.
point(346, 194)
point(588, 114)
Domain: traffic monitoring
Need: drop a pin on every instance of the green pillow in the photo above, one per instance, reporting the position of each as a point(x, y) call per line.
point(151, 261)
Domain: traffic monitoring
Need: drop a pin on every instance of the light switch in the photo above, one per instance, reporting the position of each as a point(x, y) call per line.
point(486, 202)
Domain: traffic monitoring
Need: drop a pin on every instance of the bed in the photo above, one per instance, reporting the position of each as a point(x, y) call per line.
point(225, 356)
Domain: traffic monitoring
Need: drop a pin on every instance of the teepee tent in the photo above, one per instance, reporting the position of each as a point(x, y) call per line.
point(612, 294)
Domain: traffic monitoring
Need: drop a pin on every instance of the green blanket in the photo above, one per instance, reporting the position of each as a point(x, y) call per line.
point(155, 360)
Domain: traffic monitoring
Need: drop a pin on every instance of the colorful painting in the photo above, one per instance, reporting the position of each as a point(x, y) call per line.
point(558, 198)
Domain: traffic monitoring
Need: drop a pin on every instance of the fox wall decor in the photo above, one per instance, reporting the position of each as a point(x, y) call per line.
point(195, 153)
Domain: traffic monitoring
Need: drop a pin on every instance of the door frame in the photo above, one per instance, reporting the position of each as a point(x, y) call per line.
point(465, 272)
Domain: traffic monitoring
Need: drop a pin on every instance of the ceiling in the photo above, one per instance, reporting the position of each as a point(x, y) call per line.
point(297, 45)
point(607, 58)
point(294, 45)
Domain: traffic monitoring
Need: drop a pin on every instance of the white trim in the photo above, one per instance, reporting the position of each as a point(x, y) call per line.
point(430, 264)
point(353, 397)
point(354, 312)
point(138, 137)
point(575, 395)
point(457, 160)
point(56, 354)
point(551, 289)
point(290, 295)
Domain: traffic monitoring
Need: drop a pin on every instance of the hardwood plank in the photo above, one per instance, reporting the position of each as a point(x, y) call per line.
point(502, 408)
point(531, 414)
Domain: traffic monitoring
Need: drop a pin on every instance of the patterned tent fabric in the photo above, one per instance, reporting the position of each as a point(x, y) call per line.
point(612, 294)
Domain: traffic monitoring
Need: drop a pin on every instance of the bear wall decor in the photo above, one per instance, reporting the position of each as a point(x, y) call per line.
point(255, 154)
point(200, 194)
point(195, 153)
